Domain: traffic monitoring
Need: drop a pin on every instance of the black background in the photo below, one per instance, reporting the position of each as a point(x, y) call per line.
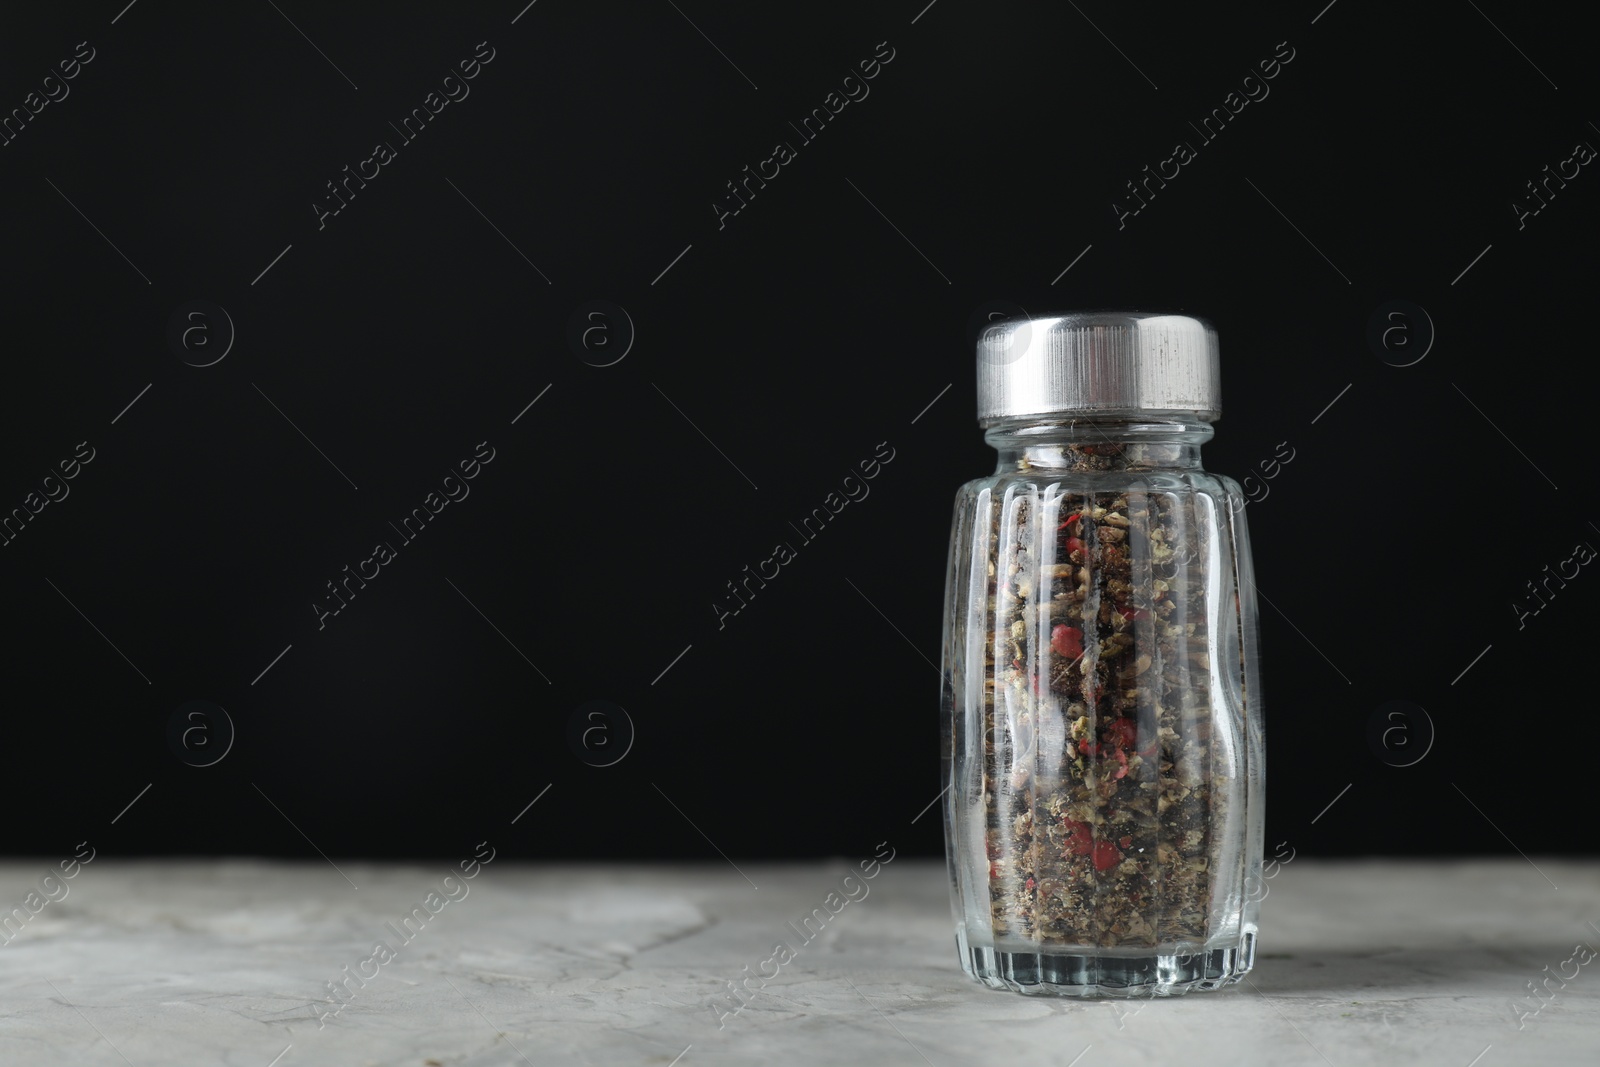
point(797, 337)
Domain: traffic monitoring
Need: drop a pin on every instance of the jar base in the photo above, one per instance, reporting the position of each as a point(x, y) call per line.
point(1068, 975)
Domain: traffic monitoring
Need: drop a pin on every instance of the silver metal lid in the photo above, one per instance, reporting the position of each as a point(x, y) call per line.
point(1099, 362)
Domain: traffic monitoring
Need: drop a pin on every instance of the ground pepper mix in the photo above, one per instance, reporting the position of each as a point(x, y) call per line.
point(1098, 772)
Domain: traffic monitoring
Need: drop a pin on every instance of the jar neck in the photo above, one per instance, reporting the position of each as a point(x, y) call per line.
point(1098, 443)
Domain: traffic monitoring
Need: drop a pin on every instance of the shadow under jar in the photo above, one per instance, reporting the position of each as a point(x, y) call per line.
point(1103, 734)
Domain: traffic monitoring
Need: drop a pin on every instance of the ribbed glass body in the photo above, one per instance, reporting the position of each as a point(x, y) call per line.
point(1102, 713)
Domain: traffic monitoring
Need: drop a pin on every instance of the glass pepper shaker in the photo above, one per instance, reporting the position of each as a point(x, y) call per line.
point(1103, 733)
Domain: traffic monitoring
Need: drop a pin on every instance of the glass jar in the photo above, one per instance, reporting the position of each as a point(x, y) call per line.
point(1103, 733)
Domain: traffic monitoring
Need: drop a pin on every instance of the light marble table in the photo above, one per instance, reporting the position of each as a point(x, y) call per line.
point(169, 964)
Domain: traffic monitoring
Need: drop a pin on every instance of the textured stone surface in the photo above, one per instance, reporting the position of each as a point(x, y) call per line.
point(221, 963)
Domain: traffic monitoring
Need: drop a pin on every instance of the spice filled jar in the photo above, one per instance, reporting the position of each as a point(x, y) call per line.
point(1103, 731)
